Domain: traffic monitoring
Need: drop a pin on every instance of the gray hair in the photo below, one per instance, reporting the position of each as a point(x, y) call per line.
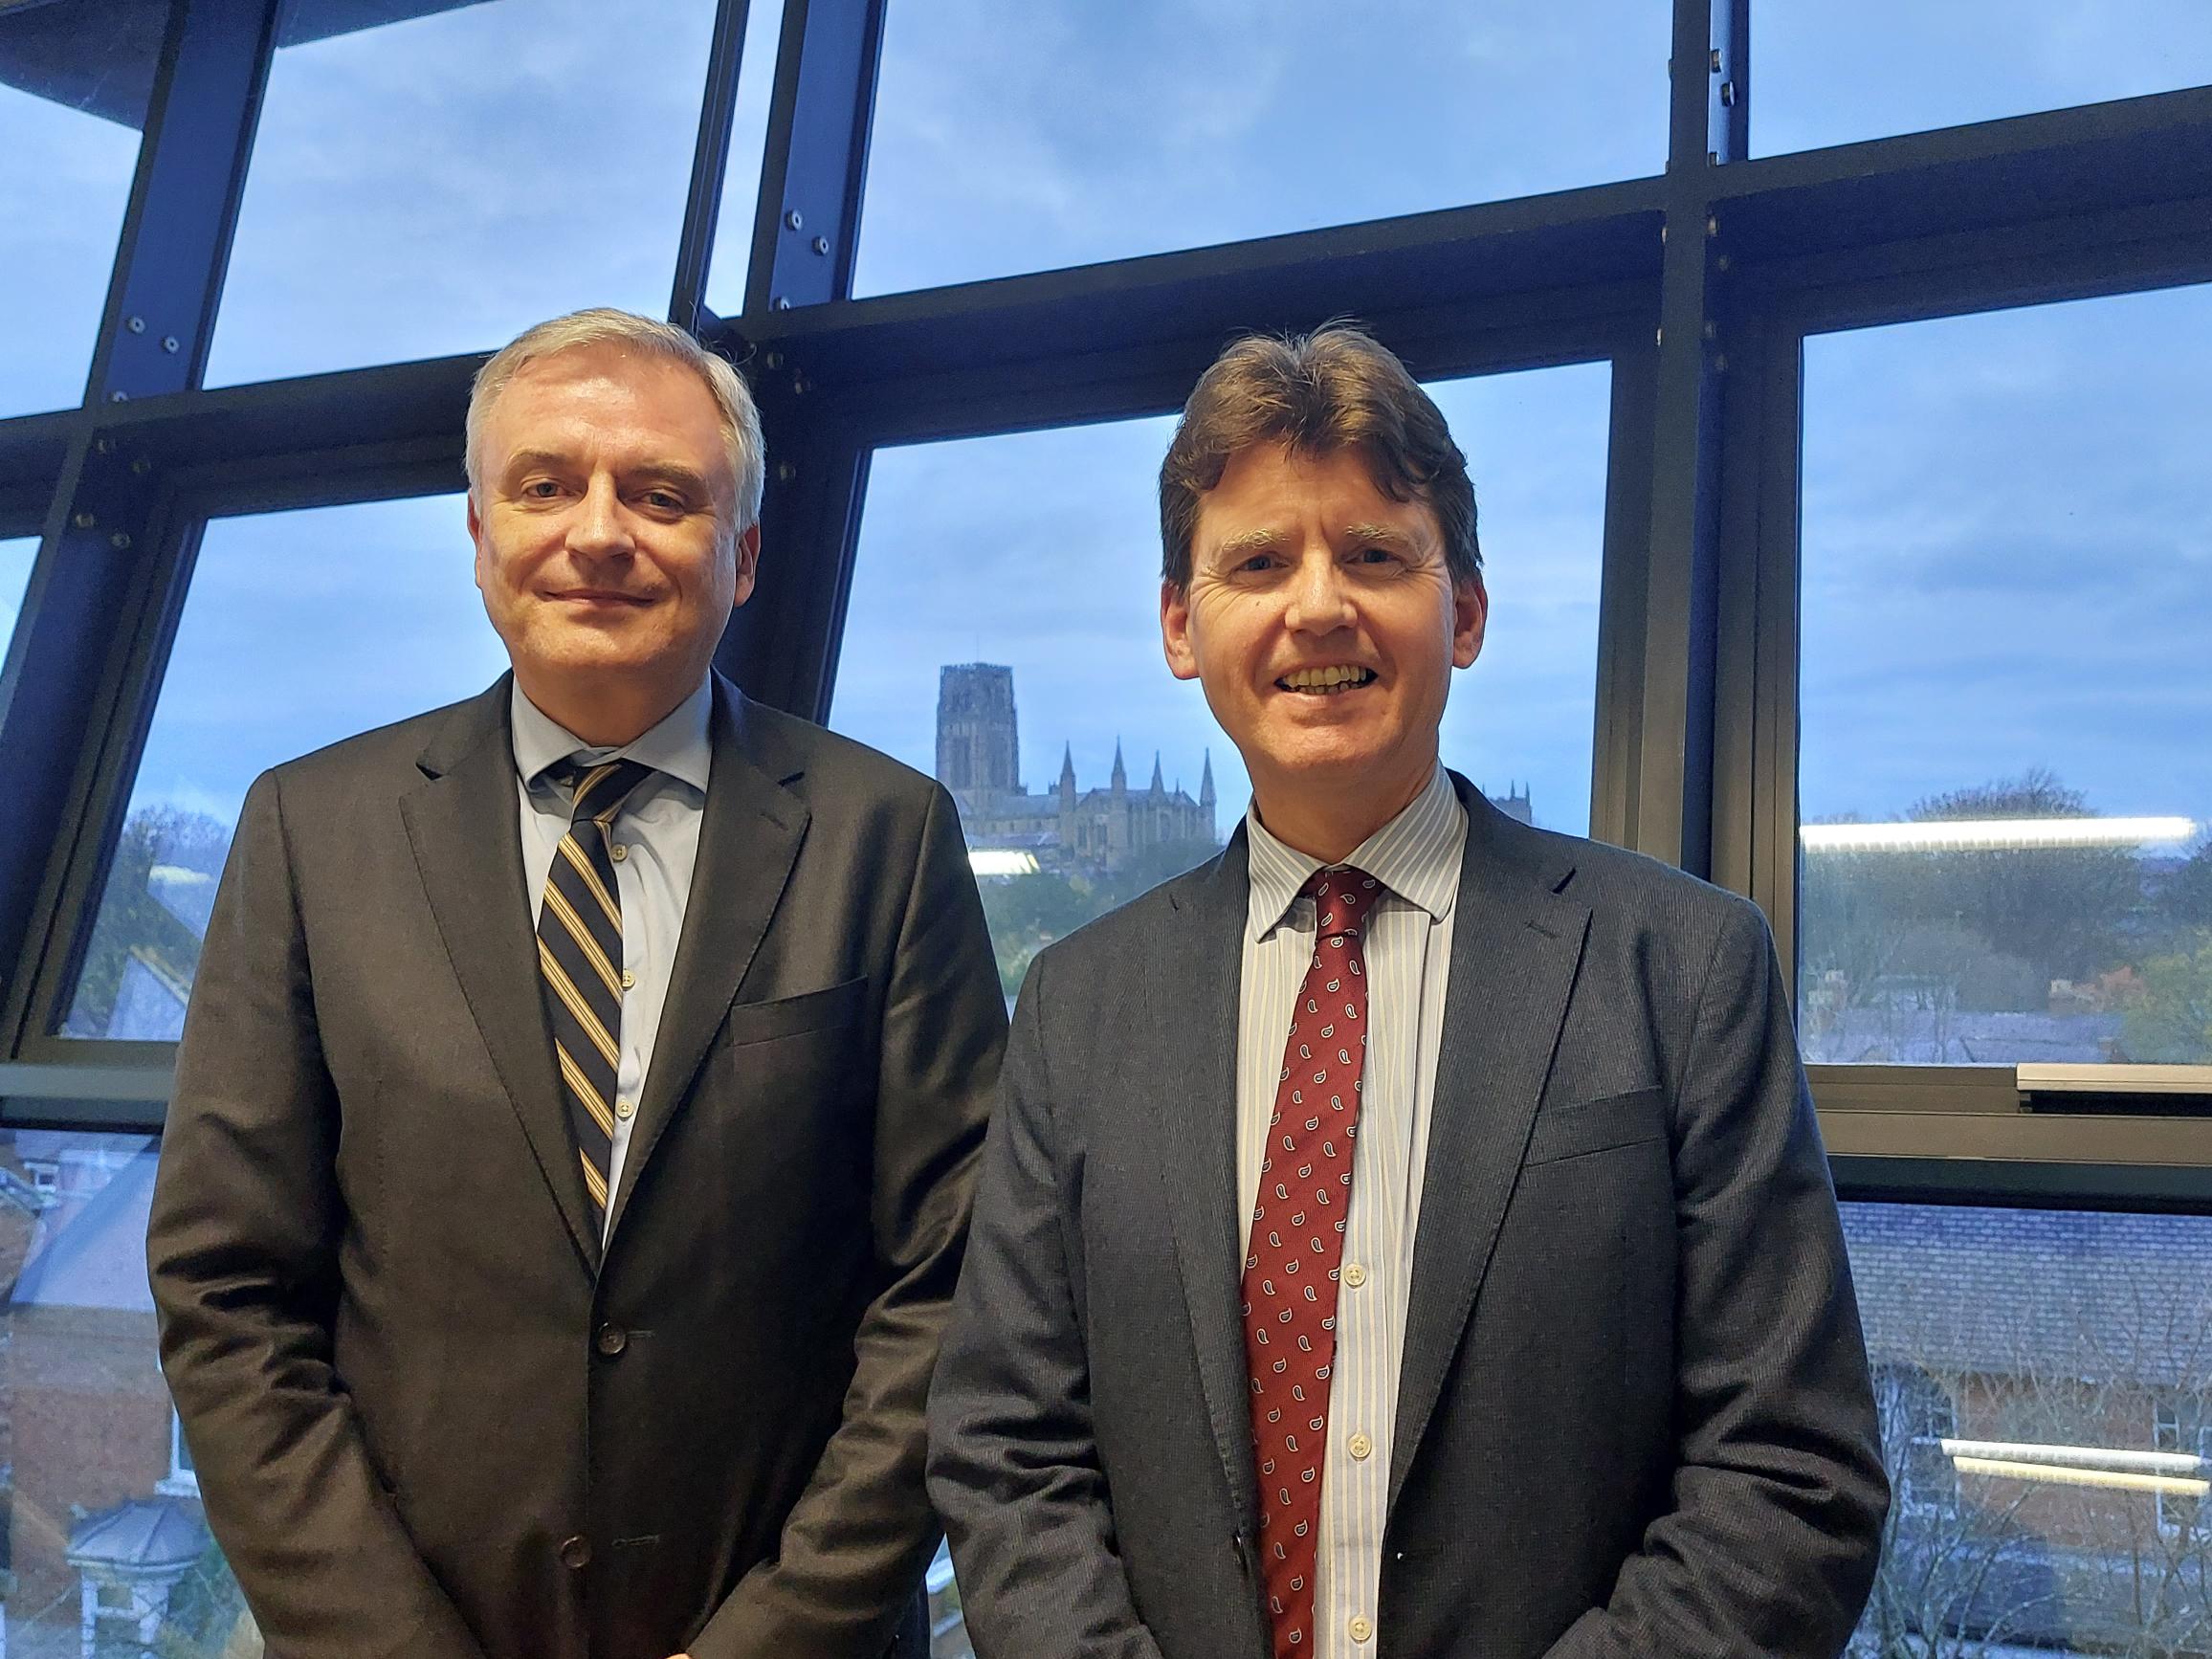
point(604, 325)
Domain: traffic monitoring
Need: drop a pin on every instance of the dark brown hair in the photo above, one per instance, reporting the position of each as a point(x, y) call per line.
point(1335, 388)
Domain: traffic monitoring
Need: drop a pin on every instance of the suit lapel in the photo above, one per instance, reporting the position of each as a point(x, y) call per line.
point(464, 822)
point(749, 839)
point(1515, 946)
point(1195, 1019)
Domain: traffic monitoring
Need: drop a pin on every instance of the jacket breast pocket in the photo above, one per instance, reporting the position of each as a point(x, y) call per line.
point(828, 1010)
point(1600, 1125)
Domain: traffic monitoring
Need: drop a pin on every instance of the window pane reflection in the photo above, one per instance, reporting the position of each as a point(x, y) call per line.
point(2045, 1380)
point(1002, 634)
point(74, 81)
point(2005, 776)
point(1013, 137)
point(436, 185)
point(733, 256)
point(299, 629)
point(107, 1550)
point(1840, 71)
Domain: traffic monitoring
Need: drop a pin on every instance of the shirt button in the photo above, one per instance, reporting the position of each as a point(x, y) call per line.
point(626, 1110)
point(1359, 1447)
point(1360, 1628)
point(1355, 1275)
point(620, 852)
point(576, 1553)
point(628, 979)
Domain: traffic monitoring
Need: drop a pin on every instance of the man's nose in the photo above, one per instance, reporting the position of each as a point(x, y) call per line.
point(1319, 602)
point(597, 530)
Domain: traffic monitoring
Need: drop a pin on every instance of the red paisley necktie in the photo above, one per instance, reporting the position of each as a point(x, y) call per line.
point(1298, 1240)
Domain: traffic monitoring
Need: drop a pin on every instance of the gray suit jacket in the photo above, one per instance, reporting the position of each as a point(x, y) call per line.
point(1634, 1417)
point(429, 1418)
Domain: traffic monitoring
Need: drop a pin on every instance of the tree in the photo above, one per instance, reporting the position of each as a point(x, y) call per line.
point(2172, 1024)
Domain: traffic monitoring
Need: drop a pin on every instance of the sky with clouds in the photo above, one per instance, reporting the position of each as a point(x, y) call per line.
point(2005, 518)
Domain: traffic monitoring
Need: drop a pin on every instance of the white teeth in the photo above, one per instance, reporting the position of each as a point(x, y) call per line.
point(1325, 679)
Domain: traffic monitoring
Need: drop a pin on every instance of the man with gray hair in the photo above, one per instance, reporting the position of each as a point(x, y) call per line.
point(570, 1162)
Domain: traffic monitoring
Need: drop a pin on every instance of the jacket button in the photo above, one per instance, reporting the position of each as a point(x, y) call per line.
point(576, 1553)
point(612, 1340)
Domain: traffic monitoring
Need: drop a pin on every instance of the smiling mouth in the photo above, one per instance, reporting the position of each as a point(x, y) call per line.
point(1325, 681)
point(592, 596)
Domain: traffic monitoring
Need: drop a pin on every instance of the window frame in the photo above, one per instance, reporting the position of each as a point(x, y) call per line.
point(1694, 754)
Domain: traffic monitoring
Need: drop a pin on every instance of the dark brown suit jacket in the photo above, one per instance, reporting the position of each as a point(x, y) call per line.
point(429, 1417)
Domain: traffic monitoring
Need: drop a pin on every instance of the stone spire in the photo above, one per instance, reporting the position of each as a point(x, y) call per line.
point(1158, 784)
point(1119, 779)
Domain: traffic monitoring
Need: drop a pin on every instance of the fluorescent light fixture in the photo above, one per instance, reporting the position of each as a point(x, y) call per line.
point(1001, 861)
point(2172, 1473)
point(1987, 834)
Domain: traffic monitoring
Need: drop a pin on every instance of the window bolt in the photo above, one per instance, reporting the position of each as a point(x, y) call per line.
point(104, 446)
point(786, 472)
point(1728, 94)
point(782, 302)
point(1720, 263)
point(792, 219)
point(141, 467)
point(137, 325)
point(85, 521)
point(801, 386)
point(820, 244)
point(1720, 363)
point(120, 541)
point(170, 344)
point(1715, 60)
point(774, 360)
point(1712, 225)
point(1712, 329)
point(118, 397)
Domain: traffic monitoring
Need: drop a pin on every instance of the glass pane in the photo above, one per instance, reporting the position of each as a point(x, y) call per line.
point(74, 77)
point(15, 560)
point(2047, 1411)
point(2005, 766)
point(106, 1548)
point(1014, 137)
point(733, 256)
point(436, 185)
point(299, 629)
point(1006, 602)
point(1846, 70)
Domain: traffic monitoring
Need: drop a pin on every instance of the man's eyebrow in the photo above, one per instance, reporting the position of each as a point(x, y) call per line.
point(1380, 535)
point(690, 480)
point(1245, 543)
point(522, 460)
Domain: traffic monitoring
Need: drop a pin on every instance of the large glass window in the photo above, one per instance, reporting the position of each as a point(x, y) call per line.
point(106, 1548)
point(75, 78)
point(1014, 137)
point(2045, 1380)
point(1002, 634)
point(299, 629)
point(733, 256)
point(436, 185)
point(2006, 765)
point(15, 560)
point(1837, 70)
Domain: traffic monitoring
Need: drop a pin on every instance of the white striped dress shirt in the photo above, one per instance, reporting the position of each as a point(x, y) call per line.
point(1409, 953)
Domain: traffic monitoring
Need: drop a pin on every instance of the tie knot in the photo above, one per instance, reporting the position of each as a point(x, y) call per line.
point(1343, 897)
point(601, 788)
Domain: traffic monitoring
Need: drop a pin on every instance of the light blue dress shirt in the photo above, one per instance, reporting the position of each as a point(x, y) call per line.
point(654, 844)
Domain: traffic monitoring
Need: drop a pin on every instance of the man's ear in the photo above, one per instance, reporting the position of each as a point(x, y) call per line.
point(476, 538)
point(748, 562)
point(1175, 630)
point(1470, 614)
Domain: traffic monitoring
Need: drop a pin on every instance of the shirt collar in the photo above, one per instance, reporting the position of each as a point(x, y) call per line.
point(678, 745)
point(1415, 855)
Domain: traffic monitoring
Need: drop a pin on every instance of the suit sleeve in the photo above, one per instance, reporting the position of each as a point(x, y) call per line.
point(242, 1250)
point(1770, 1546)
point(1014, 1460)
point(855, 1544)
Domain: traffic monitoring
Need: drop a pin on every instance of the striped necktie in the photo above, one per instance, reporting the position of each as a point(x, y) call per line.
point(580, 962)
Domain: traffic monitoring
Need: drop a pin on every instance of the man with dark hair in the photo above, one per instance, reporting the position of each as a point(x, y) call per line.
point(1407, 1233)
point(574, 1128)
